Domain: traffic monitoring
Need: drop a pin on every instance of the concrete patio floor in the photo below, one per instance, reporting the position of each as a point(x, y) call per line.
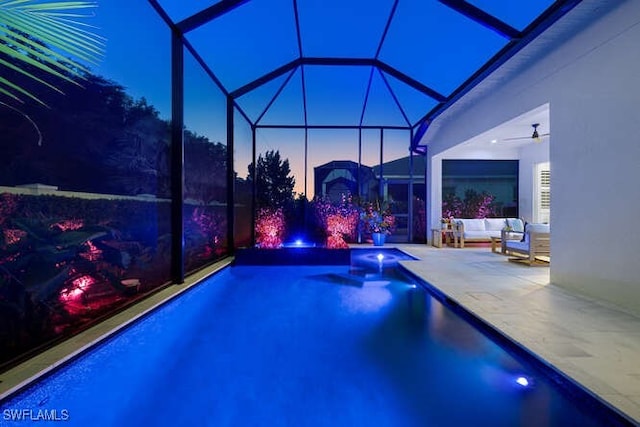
point(596, 344)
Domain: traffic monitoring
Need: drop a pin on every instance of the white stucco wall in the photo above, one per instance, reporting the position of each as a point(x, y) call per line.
point(596, 172)
point(591, 79)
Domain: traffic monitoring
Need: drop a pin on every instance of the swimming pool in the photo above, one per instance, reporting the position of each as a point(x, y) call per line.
point(341, 345)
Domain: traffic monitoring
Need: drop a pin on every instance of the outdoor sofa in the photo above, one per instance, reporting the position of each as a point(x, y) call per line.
point(483, 229)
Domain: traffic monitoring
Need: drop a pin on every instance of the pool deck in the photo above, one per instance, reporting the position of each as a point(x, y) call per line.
point(596, 344)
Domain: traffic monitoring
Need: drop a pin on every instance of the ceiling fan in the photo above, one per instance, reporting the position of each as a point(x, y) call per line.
point(535, 137)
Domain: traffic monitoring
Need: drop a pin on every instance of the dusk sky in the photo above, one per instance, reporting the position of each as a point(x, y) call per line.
point(427, 41)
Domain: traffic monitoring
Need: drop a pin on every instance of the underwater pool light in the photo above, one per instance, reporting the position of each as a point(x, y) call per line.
point(380, 257)
point(523, 381)
point(298, 242)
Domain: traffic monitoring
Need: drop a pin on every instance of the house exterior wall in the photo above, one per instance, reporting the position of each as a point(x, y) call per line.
point(590, 79)
point(595, 173)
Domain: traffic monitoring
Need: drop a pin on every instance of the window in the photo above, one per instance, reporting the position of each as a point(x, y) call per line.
point(542, 193)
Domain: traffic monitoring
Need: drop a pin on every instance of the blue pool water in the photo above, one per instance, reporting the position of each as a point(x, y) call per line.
point(359, 345)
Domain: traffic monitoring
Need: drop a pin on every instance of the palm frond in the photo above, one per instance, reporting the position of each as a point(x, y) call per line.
point(36, 64)
point(48, 36)
point(7, 93)
point(52, 57)
point(26, 73)
point(8, 84)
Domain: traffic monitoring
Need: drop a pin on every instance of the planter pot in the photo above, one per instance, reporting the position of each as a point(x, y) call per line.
point(378, 238)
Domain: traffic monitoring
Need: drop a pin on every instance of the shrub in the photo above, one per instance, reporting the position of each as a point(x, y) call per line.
point(270, 228)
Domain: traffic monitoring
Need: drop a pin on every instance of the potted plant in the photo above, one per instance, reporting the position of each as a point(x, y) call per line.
point(377, 219)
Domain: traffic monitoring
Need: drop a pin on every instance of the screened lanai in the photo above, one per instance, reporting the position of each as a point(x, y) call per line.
point(192, 119)
point(330, 81)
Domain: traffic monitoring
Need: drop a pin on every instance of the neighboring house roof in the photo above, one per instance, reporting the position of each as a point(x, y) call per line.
point(323, 171)
point(400, 168)
point(338, 164)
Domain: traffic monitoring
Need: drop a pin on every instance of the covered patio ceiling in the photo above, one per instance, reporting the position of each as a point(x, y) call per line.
point(354, 63)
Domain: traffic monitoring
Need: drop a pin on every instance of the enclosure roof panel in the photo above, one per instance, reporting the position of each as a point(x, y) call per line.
point(518, 14)
point(436, 45)
point(356, 62)
point(337, 28)
point(248, 41)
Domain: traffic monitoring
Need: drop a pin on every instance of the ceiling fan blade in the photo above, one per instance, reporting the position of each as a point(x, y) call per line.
point(523, 138)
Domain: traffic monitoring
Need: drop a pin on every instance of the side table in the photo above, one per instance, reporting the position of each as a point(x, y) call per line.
point(494, 244)
point(450, 237)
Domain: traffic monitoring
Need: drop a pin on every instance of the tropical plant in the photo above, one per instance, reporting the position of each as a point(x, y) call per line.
point(270, 228)
point(452, 206)
point(205, 231)
point(66, 261)
point(338, 220)
point(45, 36)
point(478, 205)
point(474, 205)
point(376, 217)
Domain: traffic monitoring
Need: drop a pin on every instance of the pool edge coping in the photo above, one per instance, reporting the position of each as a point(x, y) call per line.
point(46, 362)
point(501, 335)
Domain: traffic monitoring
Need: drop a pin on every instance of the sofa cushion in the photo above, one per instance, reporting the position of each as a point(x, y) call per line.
point(477, 235)
point(516, 224)
point(517, 245)
point(494, 224)
point(493, 233)
point(512, 235)
point(473, 224)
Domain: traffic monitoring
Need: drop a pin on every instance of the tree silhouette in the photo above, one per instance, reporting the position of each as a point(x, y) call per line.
point(205, 169)
point(274, 186)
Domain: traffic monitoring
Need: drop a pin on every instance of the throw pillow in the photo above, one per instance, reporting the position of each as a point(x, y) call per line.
point(516, 224)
